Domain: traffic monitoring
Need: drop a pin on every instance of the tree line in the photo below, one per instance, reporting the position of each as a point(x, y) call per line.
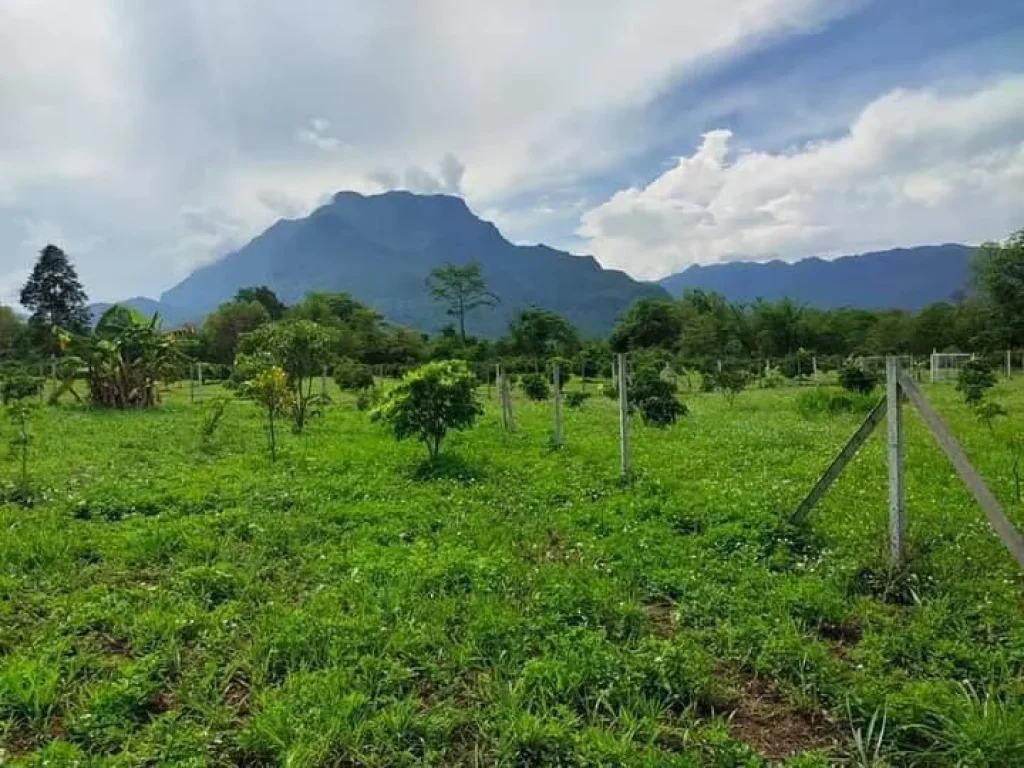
point(698, 329)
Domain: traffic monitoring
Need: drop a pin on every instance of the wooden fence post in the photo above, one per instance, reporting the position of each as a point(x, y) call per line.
point(1009, 365)
point(323, 383)
point(623, 418)
point(191, 382)
point(557, 440)
point(894, 443)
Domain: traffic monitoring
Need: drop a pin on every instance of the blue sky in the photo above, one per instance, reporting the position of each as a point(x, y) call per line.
point(149, 138)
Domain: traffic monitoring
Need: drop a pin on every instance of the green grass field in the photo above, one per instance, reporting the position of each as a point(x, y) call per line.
point(170, 602)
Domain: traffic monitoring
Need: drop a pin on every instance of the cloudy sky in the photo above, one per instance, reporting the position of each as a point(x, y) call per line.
point(148, 137)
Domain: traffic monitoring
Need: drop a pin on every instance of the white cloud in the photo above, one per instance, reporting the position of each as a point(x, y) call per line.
point(915, 167)
point(316, 135)
point(119, 115)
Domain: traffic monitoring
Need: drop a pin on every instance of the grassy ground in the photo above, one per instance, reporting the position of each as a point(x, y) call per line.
point(171, 601)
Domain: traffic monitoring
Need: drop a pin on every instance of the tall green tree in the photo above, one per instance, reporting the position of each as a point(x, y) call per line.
point(55, 297)
point(260, 293)
point(540, 333)
point(463, 289)
point(649, 322)
point(999, 278)
point(225, 325)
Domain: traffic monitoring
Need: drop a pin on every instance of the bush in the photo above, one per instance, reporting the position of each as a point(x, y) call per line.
point(610, 391)
point(820, 401)
point(429, 401)
point(730, 382)
point(655, 398)
point(535, 386)
point(19, 385)
point(212, 415)
point(367, 398)
point(974, 380)
point(270, 389)
point(352, 376)
point(853, 378)
point(576, 399)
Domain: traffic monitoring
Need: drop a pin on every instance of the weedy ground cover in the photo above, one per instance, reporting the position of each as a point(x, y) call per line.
point(174, 597)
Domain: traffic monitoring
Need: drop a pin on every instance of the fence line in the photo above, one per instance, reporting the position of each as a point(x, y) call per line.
point(898, 384)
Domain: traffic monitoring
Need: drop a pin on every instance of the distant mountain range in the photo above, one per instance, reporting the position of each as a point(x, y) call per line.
point(381, 248)
point(902, 278)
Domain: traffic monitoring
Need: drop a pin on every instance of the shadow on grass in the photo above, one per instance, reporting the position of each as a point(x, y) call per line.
point(447, 466)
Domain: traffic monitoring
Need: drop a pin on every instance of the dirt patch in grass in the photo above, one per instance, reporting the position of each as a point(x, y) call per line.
point(841, 637)
point(765, 721)
point(662, 617)
point(237, 696)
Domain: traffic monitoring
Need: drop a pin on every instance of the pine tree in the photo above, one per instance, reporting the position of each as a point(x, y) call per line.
point(54, 295)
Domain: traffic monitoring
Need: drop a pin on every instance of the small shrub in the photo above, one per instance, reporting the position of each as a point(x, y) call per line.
point(820, 401)
point(576, 399)
point(212, 416)
point(19, 386)
point(773, 377)
point(19, 414)
point(270, 389)
point(662, 411)
point(655, 398)
point(429, 401)
point(610, 391)
point(535, 386)
point(353, 376)
point(367, 398)
point(730, 382)
point(853, 378)
point(974, 380)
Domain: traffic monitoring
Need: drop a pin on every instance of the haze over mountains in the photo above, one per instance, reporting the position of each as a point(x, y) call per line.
point(380, 249)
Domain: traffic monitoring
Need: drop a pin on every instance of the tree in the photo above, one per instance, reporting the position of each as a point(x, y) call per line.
point(55, 296)
point(540, 333)
point(11, 330)
point(429, 401)
point(225, 326)
point(269, 387)
point(649, 322)
point(999, 278)
point(361, 332)
point(266, 297)
point(974, 380)
point(462, 288)
point(301, 348)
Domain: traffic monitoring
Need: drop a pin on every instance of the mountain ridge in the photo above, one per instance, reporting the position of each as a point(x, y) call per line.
point(899, 278)
point(381, 248)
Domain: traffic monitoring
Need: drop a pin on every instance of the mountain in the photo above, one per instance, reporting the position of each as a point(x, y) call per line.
point(380, 249)
point(902, 278)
